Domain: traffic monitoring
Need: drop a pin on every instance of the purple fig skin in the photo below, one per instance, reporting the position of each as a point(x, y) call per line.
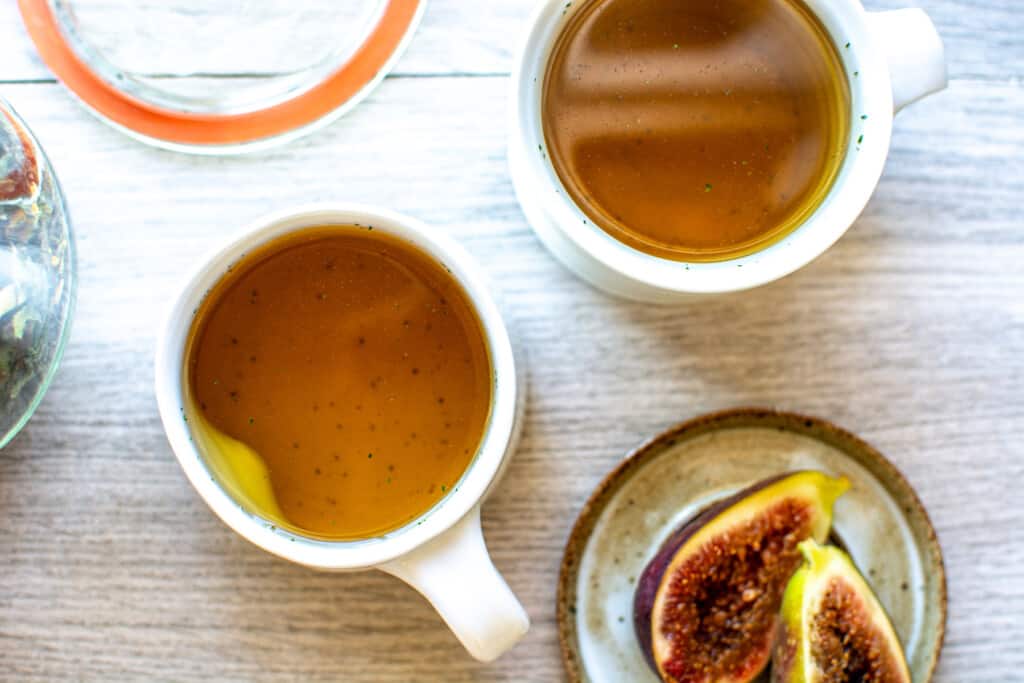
point(650, 579)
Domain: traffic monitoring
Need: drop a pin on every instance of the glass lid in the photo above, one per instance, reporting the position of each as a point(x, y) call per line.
point(37, 273)
point(213, 75)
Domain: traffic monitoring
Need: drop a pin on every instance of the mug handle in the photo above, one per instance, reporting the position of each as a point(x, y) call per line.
point(455, 573)
point(914, 52)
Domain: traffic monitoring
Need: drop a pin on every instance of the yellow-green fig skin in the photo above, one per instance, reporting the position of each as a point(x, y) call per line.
point(792, 659)
point(789, 658)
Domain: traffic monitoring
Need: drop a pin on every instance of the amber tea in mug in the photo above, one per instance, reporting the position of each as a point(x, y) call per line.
point(342, 381)
point(696, 130)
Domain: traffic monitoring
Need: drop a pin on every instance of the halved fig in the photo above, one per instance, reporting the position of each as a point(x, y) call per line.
point(833, 629)
point(706, 607)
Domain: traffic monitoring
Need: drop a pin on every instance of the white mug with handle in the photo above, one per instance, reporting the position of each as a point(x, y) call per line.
point(890, 59)
point(442, 553)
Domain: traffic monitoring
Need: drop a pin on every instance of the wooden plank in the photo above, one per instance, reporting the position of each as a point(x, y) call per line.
point(910, 332)
point(457, 37)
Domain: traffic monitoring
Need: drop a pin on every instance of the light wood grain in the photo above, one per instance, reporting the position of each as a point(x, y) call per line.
point(458, 37)
point(454, 37)
point(910, 332)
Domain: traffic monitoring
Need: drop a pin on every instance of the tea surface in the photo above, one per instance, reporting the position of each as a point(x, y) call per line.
point(347, 369)
point(696, 130)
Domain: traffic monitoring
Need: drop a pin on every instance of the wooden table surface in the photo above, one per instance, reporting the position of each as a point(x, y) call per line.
point(909, 332)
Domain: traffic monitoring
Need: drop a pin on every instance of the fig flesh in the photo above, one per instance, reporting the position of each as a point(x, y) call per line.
point(833, 629)
point(706, 607)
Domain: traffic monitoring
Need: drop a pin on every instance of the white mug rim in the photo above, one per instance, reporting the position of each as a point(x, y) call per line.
point(539, 184)
point(475, 483)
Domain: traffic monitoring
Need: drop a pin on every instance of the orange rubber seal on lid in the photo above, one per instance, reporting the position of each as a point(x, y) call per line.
point(188, 128)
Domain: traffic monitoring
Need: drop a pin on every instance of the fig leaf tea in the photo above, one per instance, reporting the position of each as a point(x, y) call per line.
point(696, 130)
point(340, 382)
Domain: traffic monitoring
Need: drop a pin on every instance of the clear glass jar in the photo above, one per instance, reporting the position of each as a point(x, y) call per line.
point(37, 273)
point(220, 76)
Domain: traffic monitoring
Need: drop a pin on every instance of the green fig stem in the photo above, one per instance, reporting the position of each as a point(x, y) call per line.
point(814, 554)
point(833, 488)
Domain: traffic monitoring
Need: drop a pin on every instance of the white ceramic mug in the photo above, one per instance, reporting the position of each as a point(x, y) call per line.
point(442, 553)
point(891, 59)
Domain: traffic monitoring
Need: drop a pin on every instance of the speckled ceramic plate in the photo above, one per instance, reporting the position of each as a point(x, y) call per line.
point(669, 479)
